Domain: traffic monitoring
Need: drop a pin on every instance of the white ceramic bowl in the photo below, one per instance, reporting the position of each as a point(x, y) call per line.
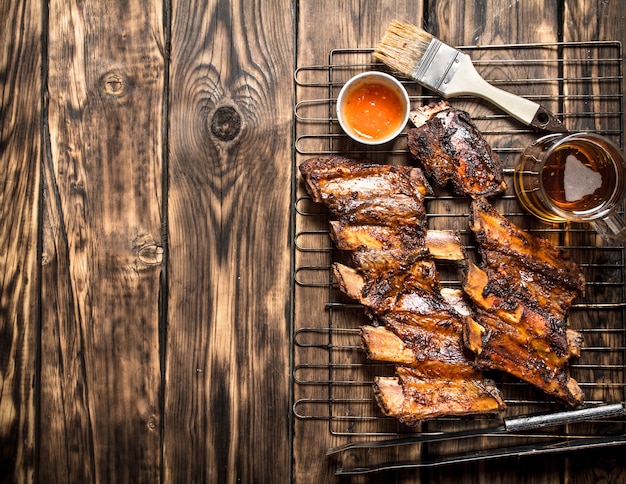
point(373, 78)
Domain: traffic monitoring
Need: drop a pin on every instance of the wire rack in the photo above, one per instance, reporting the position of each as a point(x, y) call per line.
point(583, 84)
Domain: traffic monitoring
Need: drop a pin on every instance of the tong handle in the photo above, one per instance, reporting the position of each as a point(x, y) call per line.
point(520, 424)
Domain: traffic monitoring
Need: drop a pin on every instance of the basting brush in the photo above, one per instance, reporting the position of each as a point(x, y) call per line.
point(417, 54)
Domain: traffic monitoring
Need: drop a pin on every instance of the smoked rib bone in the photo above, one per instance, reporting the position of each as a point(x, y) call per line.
point(522, 291)
point(379, 221)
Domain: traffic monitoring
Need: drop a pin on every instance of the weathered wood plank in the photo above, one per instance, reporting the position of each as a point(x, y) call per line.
point(591, 21)
point(102, 257)
point(20, 155)
point(227, 353)
point(496, 23)
point(324, 26)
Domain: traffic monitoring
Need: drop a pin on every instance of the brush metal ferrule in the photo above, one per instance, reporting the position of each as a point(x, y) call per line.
point(438, 65)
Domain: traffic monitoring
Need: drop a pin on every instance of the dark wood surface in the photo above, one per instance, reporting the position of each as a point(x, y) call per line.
point(146, 177)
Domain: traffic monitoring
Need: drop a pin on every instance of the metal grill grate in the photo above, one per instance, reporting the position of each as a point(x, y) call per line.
point(583, 84)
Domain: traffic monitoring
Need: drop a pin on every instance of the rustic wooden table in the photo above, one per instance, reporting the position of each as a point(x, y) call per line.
point(146, 289)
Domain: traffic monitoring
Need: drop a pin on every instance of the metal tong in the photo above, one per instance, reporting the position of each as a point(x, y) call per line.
point(509, 425)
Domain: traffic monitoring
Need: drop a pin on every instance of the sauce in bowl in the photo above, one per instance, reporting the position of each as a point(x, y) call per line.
point(373, 110)
point(373, 107)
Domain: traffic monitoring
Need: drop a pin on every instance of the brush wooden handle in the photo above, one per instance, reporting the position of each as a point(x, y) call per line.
point(466, 80)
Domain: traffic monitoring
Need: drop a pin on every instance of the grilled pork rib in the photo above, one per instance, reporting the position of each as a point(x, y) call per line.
point(494, 233)
point(379, 220)
point(412, 398)
point(360, 193)
point(523, 291)
point(450, 148)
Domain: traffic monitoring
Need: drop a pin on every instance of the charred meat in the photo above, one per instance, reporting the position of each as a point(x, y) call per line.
point(379, 223)
point(496, 234)
point(522, 292)
point(362, 193)
point(450, 149)
point(411, 398)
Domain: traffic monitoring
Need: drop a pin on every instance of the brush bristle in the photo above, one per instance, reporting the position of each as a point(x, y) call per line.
point(402, 47)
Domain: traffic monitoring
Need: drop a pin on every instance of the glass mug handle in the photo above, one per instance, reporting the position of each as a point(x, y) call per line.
point(612, 228)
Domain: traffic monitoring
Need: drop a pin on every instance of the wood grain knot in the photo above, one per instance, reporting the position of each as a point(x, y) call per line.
point(153, 422)
point(149, 253)
point(114, 83)
point(226, 123)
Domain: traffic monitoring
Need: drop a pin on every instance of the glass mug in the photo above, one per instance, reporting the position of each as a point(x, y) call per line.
point(579, 177)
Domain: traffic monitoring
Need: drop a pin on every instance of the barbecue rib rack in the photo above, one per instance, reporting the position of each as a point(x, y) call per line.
point(583, 84)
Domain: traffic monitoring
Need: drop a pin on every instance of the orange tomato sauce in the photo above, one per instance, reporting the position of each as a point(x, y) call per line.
point(373, 110)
